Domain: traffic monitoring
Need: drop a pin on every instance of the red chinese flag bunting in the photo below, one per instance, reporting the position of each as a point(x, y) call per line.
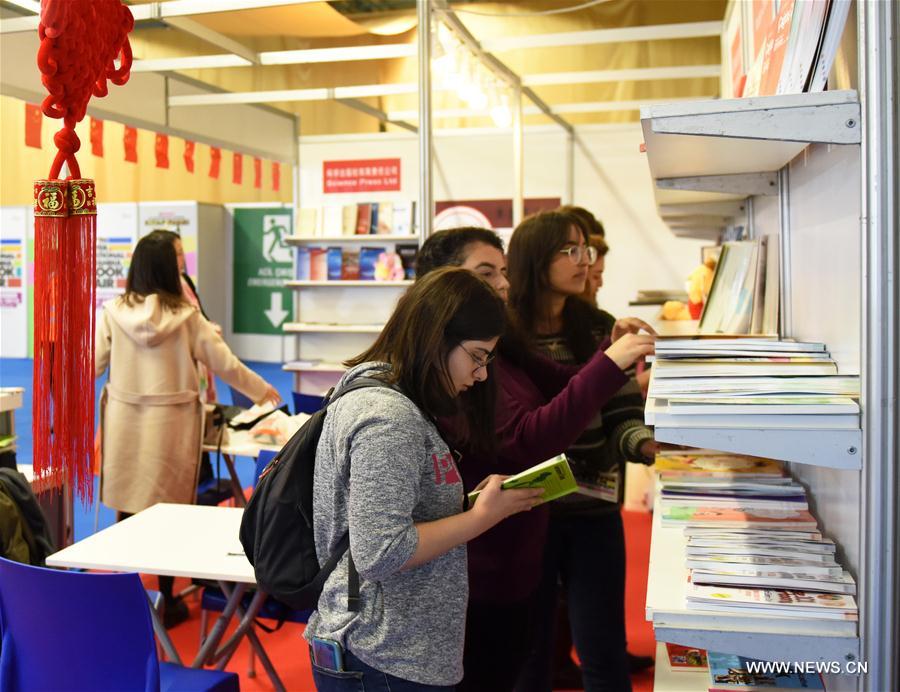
point(257, 172)
point(215, 159)
point(33, 119)
point(189, 155)
point(130, 140)
point(237, 168)
point(162, 150)
point(276, 176)
point(97, 137)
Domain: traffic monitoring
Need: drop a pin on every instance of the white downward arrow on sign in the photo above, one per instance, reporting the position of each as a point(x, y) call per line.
point(276, 313)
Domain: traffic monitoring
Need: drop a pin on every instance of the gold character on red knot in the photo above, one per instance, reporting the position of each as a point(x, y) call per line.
point(50, 199)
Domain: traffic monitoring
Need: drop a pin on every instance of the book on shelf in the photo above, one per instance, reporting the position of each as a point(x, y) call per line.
point(368, 256)
point(776, 580)
point(745, 620)
point(403, 218)
point(348, 219)
point(703, 552)
point(658, 414)
point(768, 405)
point(712, 465)
point(763, 563)
point(734, 543)
point(776, 49)
point(708, 387)
point(751, 533)
point(334, 263)
point(725, 346)
point(303, 263)
point(383, 225)
point(308, 221)
point(831, 39)
point(720, 517)
point(318, 264)
point(736, 501)
point(744, 367)
point(350, 265)
point(788, 602)
point(733, 673)
point(408, 253)
point(553, 475)
point(686, 658)
point(807, 24)
point(363, 219)
point(332, 221)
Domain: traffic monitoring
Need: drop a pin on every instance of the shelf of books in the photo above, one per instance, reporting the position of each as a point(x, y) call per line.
point(756, 395)
point(738, 564)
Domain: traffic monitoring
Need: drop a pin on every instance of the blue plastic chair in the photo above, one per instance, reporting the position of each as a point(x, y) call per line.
point(214, 600)
point(307, 403)
point(77, 630)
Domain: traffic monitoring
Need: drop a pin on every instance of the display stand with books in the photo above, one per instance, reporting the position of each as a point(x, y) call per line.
point(352, 263)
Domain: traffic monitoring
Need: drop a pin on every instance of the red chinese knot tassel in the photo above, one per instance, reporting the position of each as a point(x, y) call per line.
point(73, 68)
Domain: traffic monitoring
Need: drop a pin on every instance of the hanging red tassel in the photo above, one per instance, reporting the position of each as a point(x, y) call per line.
point(72, 69)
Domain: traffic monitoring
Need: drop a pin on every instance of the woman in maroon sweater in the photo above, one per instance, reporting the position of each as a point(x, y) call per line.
point(542, 408)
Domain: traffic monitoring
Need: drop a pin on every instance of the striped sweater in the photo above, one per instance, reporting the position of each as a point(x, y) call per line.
point(613, 437)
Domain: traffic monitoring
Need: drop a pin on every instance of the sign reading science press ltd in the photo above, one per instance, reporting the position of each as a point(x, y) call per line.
point(364, 175)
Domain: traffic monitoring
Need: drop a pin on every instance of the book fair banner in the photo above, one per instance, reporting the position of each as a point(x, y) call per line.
point(14, 310)
point(262, 262)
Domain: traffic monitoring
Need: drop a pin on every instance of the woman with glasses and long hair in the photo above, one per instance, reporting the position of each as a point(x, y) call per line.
point(549, 258)
point(151, 340)
point(541, 409)
point(385, 474)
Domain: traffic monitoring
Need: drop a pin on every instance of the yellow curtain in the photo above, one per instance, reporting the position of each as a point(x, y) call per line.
point(122, 181)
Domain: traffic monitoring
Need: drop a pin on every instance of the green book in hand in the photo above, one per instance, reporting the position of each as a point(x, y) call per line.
point(553, 475)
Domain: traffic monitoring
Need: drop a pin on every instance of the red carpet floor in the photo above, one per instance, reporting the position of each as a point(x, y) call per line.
point(288, 651)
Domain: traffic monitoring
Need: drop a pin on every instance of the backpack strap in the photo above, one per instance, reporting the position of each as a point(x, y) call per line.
point(343, 545)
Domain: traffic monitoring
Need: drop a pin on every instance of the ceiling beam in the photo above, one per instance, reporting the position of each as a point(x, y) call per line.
point(562, 108)
point(656, 32)
point(204, 33)
point(164, 10)
point(194, 62)
point(379, 114)
point(635, 74)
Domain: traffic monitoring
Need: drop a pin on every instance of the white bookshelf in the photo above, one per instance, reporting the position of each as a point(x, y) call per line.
point(748, 635)
point(346, 284)
point(335, 240)
point(322, 328)
point(718, 152)
point(11, 398)
point(667, 680)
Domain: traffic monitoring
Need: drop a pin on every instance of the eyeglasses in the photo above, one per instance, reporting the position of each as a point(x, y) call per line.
point(578, 252)
point(480, 362)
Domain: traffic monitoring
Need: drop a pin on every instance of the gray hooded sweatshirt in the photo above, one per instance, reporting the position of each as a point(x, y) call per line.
point(381, 467)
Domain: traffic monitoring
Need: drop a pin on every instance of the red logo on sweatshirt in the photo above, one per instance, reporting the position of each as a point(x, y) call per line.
point(445, 472)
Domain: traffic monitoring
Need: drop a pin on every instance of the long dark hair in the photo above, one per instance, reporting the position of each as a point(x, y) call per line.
point(439, 311)
point(447, 248)
point(535, 243)
point(154, 270)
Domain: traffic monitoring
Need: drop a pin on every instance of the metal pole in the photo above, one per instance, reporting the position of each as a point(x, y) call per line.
point(425, 214)
point(880, 525)
point(518, 211)
point(784, 207)
point(570, 167)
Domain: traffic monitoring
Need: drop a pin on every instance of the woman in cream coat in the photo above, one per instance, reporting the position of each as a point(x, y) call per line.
point(151, 339)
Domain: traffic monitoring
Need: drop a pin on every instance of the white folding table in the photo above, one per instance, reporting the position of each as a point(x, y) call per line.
point(191, 541)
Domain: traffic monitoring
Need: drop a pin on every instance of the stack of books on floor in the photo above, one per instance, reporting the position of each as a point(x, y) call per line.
point(752, 546)
point(749, 383)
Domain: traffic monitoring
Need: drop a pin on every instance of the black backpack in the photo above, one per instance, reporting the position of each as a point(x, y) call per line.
point(277, 526)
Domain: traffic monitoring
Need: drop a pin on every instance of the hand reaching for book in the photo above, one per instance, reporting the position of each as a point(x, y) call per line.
point(495, 504)
point(270, 395)
point(627, 349)
point(629, 325)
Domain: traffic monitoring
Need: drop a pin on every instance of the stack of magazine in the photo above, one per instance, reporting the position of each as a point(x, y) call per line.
point(752, 546)
point(749, 383)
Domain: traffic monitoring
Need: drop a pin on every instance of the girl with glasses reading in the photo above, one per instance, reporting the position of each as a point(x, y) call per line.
point(385, 474)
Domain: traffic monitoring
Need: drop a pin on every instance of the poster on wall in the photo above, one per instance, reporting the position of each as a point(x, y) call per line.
point(263, 261)
point(117, 234)
point(13, 282)
point(496, 214)
point(179, 217)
